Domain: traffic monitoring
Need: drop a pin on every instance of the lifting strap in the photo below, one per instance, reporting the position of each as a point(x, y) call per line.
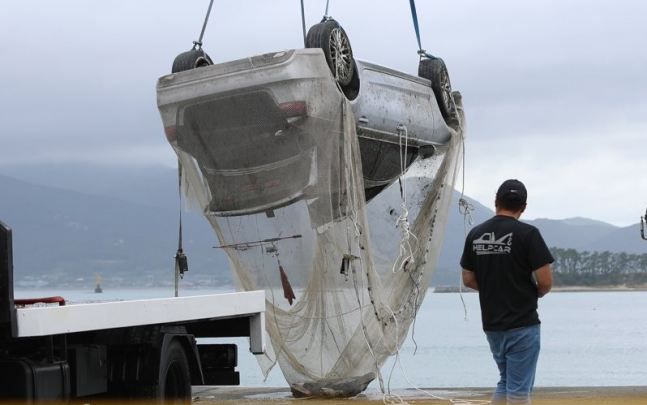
point(414, 16)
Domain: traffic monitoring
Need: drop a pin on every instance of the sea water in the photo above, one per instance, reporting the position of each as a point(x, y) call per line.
point(588, 339)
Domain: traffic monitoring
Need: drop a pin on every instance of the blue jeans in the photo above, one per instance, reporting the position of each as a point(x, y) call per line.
point(515, 352)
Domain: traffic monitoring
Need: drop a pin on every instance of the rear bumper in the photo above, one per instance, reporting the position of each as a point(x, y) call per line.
point(287, 74)
point(238, 121)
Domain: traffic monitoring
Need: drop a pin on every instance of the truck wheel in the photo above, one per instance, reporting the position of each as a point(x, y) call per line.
point(191, 59)
point(174, 379)
point(332, 39)
point(436, 71)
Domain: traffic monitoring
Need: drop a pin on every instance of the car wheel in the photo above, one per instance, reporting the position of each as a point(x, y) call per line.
point(332, 39)
point(191, 59)
point(436, 71)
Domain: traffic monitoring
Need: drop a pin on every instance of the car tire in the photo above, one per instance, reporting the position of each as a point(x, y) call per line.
point(435, 70)
point(333, 40)
point(191, 59)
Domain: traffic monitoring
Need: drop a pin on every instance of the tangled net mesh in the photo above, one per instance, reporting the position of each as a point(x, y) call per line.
point(343, 278)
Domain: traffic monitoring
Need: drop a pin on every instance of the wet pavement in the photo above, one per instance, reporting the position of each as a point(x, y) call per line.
point(466, 396)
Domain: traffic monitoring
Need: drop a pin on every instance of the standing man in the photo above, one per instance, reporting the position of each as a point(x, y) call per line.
point(508, 263)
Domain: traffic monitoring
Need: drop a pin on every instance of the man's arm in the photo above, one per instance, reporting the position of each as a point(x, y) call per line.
point(469, 279)
point(544, 277)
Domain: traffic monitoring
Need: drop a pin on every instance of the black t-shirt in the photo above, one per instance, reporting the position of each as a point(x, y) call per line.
point(503, 253)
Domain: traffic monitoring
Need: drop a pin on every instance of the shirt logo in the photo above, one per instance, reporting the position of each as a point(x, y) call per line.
point(488, 244)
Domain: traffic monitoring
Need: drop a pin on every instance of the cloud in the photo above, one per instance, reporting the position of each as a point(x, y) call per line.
point(553, 90)
point(588, 174)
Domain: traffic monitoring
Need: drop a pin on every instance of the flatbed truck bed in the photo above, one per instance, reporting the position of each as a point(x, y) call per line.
point(124, 349)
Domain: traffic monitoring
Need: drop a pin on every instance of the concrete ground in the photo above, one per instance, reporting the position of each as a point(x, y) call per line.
point(471, 396)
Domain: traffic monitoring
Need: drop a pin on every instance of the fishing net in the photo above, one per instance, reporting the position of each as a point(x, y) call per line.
point(343, 277)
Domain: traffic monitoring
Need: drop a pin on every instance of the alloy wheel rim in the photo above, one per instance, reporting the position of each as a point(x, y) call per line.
point(341, 55)
point(446, 88)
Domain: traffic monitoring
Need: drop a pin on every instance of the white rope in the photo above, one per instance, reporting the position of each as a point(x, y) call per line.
point(465, 208)
point(378, 372)
point(387, 397)
point(357, 228)
point(405, 256)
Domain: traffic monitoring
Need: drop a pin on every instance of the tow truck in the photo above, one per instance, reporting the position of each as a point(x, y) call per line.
point(53, 351)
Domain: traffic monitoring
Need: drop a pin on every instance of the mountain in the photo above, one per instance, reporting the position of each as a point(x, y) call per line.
point(71, 222)
point(572, 233)
point(71, 236)
point(625, 239)
point(148, 185)
point(579, 221)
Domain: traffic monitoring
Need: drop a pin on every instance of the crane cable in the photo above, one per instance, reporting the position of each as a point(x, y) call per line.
point(414, 16)
point(198, 44)
point(181, 261)
point(303, 20)
point(303, 24)
point(326, 16)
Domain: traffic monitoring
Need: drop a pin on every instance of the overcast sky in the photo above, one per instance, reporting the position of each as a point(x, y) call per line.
point(555, 92)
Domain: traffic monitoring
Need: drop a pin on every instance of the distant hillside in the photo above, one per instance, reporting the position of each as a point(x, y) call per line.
point(573, 233)
point(75, 221)
point(71, 236)
point(625, 239)
point(150, 185)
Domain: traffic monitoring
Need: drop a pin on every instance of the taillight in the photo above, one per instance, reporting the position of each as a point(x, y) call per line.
point(171, 133)
point(294, 109)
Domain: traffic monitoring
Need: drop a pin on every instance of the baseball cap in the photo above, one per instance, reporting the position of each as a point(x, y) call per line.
point(512, 189)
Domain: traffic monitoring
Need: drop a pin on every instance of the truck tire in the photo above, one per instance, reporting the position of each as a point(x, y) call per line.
point(175, 377)
point(436, 71)
point(174, 382)
point(191, 59)
point(332, 39)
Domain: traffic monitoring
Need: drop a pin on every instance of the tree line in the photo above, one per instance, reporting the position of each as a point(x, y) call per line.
point(573, 267)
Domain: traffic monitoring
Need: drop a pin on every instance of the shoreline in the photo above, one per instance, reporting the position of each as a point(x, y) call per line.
point(595, 289)
point(231, 288)
point(559, 289)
